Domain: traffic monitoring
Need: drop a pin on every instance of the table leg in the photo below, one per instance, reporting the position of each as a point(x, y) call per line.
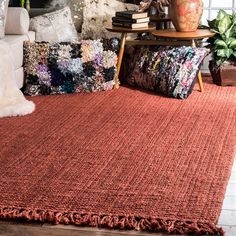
point(120, 57)
point(200, 81)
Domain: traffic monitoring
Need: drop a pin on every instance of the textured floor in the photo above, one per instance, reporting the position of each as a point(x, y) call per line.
point(167, 140)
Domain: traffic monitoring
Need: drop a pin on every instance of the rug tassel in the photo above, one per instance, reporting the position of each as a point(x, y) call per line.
point(112, 221)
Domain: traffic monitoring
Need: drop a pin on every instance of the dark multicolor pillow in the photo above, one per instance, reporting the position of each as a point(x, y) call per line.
point(169, 70)
point(62, 68)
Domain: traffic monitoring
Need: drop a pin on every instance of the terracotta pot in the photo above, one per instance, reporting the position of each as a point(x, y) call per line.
point(186, 14)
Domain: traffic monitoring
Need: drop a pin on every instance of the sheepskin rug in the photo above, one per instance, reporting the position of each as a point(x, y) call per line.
point(12, 101)
point(97, 14)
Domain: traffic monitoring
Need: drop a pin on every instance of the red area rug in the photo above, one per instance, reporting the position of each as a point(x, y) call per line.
point(124, 159)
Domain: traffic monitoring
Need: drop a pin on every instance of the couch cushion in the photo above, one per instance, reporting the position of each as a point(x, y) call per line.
point(3, 15)
point(17, 21)
point(16, 44)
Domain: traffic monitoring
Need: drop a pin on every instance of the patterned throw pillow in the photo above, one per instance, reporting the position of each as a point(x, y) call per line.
point(76, 10)
point(54, 27)
point(169, 70)
point(3, 16)
point(98, 14)
point(62, 68)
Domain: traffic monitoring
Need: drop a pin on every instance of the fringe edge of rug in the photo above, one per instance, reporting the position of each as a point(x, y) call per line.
point(112, 221)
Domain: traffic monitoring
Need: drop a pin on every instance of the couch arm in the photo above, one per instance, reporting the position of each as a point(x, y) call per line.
point(17, 21)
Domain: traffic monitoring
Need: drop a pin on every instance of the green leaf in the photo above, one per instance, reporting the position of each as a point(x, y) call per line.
point(229, 52)
point(220, 61)
point(221, 14)
point(225, 24)
point(232, 44)
point(221, 44)
point(230, 31)
point(212, 23)
point(234, 17)
point(215, 31)
point(234, 54)
point(229, 40)
point(221, 53)
point(224, 52)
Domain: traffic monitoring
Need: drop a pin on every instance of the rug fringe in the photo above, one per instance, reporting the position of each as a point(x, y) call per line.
point(112, 221)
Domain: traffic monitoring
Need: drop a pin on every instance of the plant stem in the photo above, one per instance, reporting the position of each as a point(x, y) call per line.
point(27, 5)
point(22, 3)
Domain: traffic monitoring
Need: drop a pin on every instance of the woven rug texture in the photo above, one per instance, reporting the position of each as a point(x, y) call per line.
point(122, 159)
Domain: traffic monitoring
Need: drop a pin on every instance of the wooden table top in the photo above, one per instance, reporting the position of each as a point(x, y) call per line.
point(172, 33)
point(129, 30)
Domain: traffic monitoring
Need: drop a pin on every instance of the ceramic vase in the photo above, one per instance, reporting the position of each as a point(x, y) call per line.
point(186, 14)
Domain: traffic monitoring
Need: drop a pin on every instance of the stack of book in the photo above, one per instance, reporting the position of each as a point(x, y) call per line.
point(131, 19)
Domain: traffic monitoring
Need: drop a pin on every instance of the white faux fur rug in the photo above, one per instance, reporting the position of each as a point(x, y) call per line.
point(12, 101)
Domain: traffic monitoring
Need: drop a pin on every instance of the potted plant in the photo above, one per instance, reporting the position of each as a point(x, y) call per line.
point(223, 45)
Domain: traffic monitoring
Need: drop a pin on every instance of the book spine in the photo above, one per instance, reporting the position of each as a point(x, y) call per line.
point(123, 14)
point(123, 20)
point(126, 25)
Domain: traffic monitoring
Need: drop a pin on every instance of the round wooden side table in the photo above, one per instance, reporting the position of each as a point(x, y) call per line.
point(185, 36)
point(124, 32)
